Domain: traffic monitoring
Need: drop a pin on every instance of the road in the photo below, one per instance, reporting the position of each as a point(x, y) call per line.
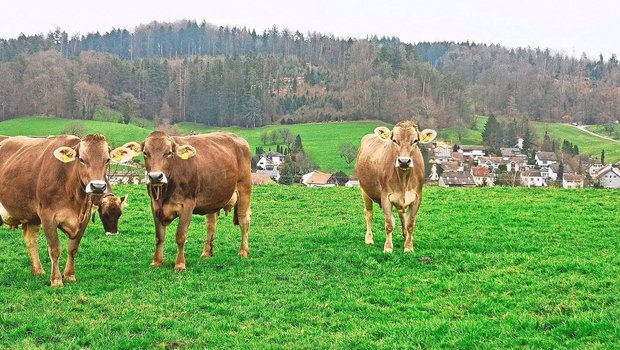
point(583, 128)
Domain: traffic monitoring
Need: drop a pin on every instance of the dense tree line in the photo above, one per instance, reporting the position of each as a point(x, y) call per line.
point(224, 76)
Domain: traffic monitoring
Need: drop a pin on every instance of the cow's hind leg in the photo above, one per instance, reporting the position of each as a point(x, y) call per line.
point(242, 214)
point(72, 248)
point(211, 225)
point(31, 237)
point(386, 205)
point(368, 217)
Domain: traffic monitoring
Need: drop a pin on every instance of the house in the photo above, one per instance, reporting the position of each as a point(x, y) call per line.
point(473, 151)
point(544, 159)
point(319, 179)
point(512, 164)
point(456, 179)
point(451, 166)
point(491, 163)
point(609, 177)
point(442, 154)
point(512, 152)
point(261, 179)
point(269, 164)
point(571, 180)
point(552, 171)
point(482, 176)
point(352, 183)
point(533, 178)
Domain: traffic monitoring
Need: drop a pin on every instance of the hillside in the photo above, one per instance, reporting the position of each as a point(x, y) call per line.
point(539, 270)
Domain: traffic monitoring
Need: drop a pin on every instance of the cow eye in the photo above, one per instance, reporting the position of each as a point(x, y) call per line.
point(415, 142)
point(169, 154)
point(81, 160)
point(107, 161)
point(394, 140)
point(146, 155)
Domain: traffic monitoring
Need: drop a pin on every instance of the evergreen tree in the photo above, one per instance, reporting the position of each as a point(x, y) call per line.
point(560, 173)
point(286, 175)
point(603, 157)
point(298, 147)
point(492, 134)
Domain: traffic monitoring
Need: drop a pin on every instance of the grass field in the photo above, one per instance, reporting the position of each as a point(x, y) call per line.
point(588, 144)
point(541, 271)
point(600, 129)
point(468, 136)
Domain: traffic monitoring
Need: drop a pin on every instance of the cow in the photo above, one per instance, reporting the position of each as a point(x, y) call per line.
point(390, 168)
point(53, 183)
point(196, 174)
point(110, 210)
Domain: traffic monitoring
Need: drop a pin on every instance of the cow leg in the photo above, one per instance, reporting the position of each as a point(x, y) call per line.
point(160, 237)
point(72, 248)
point(386, 205)
point(211, 225)
point(242, 211)
point(403, 222)
point(184, 220)
point(413, 211)
point(53, 248)
point(368, 217)
point(31, 237)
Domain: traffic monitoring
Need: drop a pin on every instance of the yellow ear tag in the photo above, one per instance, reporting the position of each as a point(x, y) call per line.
point(117, 157)
point(384, 135)
point(426, 137)
point(66, 158)
point(185, 155)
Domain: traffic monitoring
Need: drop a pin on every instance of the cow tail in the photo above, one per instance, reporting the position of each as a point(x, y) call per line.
point(236, 214)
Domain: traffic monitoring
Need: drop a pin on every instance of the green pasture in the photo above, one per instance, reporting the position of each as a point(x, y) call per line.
point(494, 268)
point(588, 144)
point(600, 129)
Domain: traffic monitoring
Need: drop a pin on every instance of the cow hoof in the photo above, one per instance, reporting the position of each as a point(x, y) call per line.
point(370, 241)
point(57, 283)
point(244, 253)
point(38, 272)
point(70, 278)
point(179, 267)
point(387, 250)
point(156, 263)
point(408, 250)
point(206, 255)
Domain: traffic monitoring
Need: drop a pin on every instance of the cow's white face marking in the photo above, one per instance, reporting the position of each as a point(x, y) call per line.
point(156, 177)
point(95, 184)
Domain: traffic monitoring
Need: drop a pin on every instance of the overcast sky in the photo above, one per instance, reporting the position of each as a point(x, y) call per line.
point(565, 26)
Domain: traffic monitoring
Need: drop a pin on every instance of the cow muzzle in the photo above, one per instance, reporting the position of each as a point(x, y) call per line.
point(156, 178)
point(96, 187)
point(404, 163)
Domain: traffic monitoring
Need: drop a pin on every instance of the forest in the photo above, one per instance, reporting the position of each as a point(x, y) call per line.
point(222, 76)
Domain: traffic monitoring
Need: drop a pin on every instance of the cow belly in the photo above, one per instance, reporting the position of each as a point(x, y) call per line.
point(8, 219)
point(403, 200)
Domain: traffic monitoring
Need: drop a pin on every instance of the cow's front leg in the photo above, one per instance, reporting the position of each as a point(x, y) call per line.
point(53, 247)
point(410, 226)
point(184, 220)
point(72, 248)
point(386, 205)
point(211, 225)
point(31, 237)
point(368, 217)
point(160, 237)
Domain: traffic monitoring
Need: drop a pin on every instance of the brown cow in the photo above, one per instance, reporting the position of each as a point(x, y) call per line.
point(52, 182)
point(110, 210)
point(391, 173)
point(199, 174)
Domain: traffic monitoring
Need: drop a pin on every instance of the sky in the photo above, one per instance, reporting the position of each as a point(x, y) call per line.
point(565, 26)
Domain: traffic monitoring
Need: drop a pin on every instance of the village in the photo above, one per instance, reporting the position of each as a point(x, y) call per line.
point(474, 166)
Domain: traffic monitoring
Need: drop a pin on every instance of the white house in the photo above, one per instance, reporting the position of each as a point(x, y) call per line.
point(609, 177)
point(269, 163)
point(319, 179)
point(552, 171)
point(456, 179)
point(573, 181)
point(482, 176)
point(533, 178)
point(442, 154)
point(545, 159)
point(473, 151)
point(352, 183)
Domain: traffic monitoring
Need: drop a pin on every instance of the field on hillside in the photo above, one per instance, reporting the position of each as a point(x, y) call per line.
point(600, 129)
point(502, 268)
point(588, 144)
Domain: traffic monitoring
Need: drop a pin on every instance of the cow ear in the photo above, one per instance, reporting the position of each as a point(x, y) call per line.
point(383, 133)
point(121, 155)
point(427, 135)
point(65, 154)
point(124, 201)
point(135, 147)
point(186, 151)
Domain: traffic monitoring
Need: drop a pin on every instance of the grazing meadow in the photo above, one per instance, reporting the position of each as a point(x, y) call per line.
point(492, 268)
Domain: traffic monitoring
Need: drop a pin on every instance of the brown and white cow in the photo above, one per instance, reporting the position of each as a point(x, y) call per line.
point(391, 173)
point(110, 210)
point(52, 183)
point(198, 174)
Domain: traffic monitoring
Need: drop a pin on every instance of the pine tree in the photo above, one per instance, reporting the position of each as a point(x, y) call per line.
point(603, 157)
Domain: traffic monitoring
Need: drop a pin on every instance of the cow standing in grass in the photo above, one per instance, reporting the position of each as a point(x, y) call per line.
point(390, 168)
point(53, 183)
point(198, 174)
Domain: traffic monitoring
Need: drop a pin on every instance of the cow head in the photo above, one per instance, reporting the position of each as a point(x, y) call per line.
point(405, 139)
point(91, 157)
point(160, 152)
point(110, 210)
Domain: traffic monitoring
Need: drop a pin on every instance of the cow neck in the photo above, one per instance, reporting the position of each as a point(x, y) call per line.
point(83, 200)
point(402, 178)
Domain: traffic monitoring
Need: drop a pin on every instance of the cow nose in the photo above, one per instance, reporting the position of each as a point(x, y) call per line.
point(404, 162)
point(98, 187)
point(156, 176)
